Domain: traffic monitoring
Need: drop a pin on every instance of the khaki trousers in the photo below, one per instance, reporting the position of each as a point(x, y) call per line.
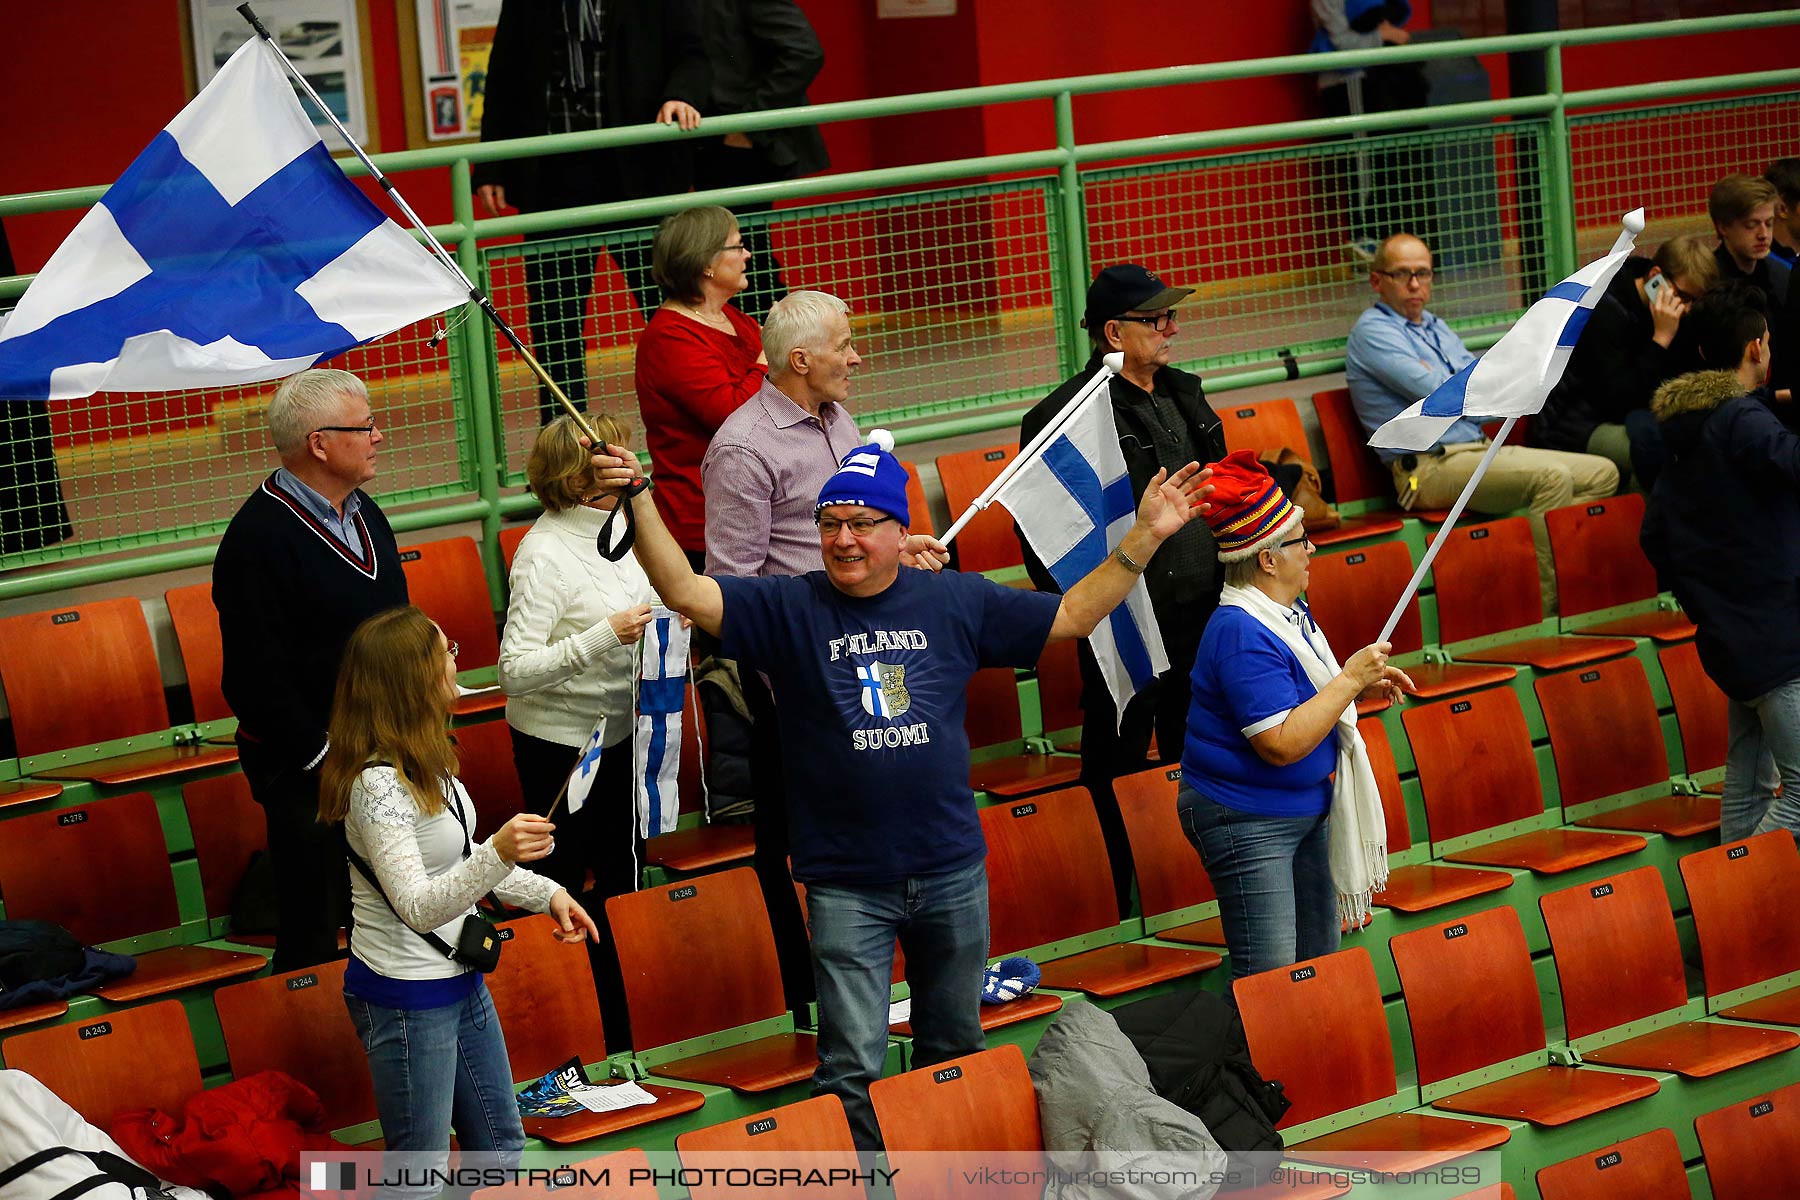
point(1520, 477)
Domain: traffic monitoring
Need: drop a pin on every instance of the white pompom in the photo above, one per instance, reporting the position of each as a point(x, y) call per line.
point(1115, 362)
point(882, 438)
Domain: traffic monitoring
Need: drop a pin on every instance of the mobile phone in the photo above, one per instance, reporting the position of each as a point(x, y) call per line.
point(1654, 286)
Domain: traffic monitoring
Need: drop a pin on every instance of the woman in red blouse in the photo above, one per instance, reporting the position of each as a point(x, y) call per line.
point(697, 360)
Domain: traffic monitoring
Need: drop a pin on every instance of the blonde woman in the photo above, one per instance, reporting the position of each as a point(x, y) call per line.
point(436, 1054)
point(568, 658)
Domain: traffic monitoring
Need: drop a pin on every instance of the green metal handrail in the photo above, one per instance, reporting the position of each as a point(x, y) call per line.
point(473, 348)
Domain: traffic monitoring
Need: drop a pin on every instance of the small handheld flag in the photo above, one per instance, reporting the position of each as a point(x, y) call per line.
point(581, 779)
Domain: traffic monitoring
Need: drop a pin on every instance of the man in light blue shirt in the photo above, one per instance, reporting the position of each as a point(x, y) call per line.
point(1399, 352)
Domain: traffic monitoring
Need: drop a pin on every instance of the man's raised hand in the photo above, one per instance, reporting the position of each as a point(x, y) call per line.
point(1171, 501)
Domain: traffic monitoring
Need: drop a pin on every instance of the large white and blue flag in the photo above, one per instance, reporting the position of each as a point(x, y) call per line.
point(656, 751)
point(1516, 375)
point(233, 250)
point(1073, 503)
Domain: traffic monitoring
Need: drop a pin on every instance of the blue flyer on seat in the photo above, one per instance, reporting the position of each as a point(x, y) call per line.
point(549, 1096)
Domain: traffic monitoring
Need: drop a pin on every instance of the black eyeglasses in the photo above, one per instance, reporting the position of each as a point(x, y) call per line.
point(1293, 542)
point(859, 526)
point(743, 243)
point(1403, 276)
point(367, 429)
point(1160, 322)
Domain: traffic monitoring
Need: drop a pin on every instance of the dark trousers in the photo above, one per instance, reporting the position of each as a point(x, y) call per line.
point(1110, 749)
point(558, 282)
point(717, 165)
point(769, 782)
point(312, 886)
point(601, 837)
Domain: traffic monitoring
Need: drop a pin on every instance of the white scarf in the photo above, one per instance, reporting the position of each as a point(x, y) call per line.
point(1358, 848)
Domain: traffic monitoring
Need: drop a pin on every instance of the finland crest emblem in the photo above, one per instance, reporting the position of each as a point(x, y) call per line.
point(884, 689)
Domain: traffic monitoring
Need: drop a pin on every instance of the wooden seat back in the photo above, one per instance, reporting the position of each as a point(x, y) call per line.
point(132, 1058)
point(1750, 1143)
point(1487, 580)
point(1599, 531)
point(196, 624)
point(1318, 1027)
point(698, 957)
point(1646, 1165)
point(1607, 932)
point(1356, 472)
point(1169, 873)
point(1047, 870)
point(1351, 595)
point(228, 829)
point(987, 542)
point(1604, 731)
point(100, 870)
point(80, 674)
point(446, 580)
point(1736, 892)
point(544, 993)
point(297, 1023)
point(1267, 427)
point(1471, 995)
point(1476, 767)
point(1700, 707)
point(810, 1135)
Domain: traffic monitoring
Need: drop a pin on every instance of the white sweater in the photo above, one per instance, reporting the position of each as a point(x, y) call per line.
point(561, 664)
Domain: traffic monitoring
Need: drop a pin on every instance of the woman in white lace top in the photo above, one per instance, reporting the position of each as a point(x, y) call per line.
point(436, 1054)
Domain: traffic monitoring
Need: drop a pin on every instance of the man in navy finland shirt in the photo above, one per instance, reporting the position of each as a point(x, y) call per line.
point(870, 664)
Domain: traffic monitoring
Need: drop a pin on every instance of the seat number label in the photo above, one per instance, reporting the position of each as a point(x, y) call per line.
point(683, 893)
point(97, 1029)
point(1590, 676)
point(65, 618)
point(1605, 889)
point(410, 556)
point(1762, 1109)
point(1024, 810)
point(946, 1075)
point(1303, 973)
point(302, 982)
point(1461, 706)
point(1608, 1160)
point(71, 818)
point(1737, 852)
point(766, 1125)
point(1456, 931)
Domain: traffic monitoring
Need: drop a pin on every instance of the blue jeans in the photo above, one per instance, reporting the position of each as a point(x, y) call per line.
point(1273, 879)
point(436, 1069)
point(1764, 750)
point(942, 924)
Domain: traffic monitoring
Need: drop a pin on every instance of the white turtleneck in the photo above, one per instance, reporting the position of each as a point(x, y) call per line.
point(561, 664)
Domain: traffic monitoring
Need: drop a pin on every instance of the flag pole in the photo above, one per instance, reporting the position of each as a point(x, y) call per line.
point(1412, 586)
point(479, 297)
point(1110, 365)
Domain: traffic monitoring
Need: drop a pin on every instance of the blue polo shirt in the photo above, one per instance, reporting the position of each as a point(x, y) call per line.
point(871, 692)
point(1246, 681)
point(1391, 364)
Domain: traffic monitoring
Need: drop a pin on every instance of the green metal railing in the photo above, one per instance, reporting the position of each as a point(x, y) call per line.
point(965, 277)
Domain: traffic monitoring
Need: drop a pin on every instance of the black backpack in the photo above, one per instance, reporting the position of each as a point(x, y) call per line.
point(32, 951)
point(1193, 1042)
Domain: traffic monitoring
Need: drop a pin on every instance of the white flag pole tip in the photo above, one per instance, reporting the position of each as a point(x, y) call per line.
point(1115, 362)
point(1634, 221)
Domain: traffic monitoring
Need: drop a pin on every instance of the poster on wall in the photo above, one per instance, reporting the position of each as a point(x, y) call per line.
point(322, 38)
point(454, 39)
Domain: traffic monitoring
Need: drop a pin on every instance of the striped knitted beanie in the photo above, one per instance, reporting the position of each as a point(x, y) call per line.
point(1249, 513)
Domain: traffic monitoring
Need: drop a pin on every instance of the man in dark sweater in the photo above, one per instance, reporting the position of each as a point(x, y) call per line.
point(1742, 208)
point(1163, 422)
point(304, 561)
point(1602, 404)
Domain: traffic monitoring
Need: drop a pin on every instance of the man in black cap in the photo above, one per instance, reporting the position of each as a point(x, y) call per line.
point(1163, 421)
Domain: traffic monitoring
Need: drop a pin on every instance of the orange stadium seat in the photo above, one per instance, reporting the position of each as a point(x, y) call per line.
point(1700, 709)
point(1477, 773)
point(544, 994)
point(196, 624)
point(1170, 876)
point(88, 674)
point(709, 845)
point(810, 1135)
point(918, 509)
point(1607, 739)
point(1415, 887)
point(101, 871)
point(1049, 880)
point(1750, 1144)
point(228, 830)
point(1487, 583)
point(485, 765)
point(698, 959)
point(1270, 426)
point(1356, 471)
point(1606, 531)
point(991, 717)
point(446, 579)
point(1621, 928)
point(131, 1058)
point(1472, 1001)
point(981, 1103)
point(1733, 891)
point(987, 542)
point(296, 1023)
point(510, 537)
point(1648, 1165)
point(1319, 1027)
point(1351, 594)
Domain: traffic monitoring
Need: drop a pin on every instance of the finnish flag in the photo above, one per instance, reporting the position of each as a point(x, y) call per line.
point(1073, 503)
point(581, 779)
point(1516, 375)
point(656, 750)
point(232, 250)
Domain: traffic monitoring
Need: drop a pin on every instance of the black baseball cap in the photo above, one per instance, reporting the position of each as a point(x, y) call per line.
point(1124, 288)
